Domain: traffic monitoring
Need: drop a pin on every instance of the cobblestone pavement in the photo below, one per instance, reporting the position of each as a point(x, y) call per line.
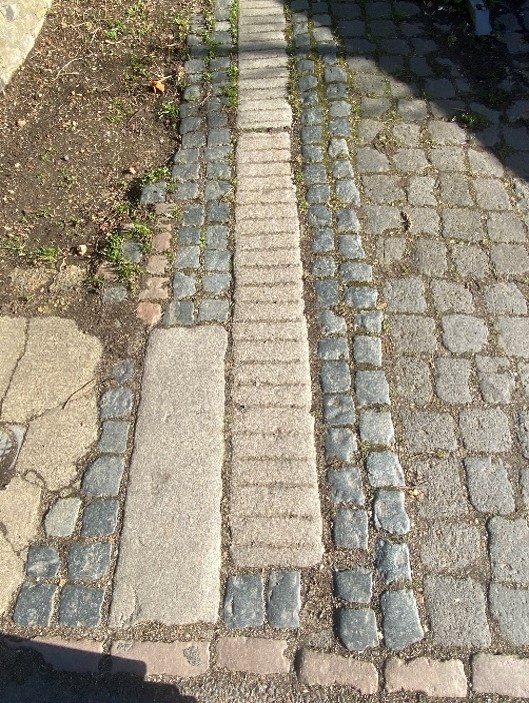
point(362, 529)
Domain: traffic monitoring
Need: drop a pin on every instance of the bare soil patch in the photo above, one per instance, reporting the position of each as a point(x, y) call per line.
point(81, 126)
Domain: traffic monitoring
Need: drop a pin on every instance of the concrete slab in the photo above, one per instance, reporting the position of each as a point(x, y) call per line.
point(59, 361)
point(169, 561)
point(12, 341)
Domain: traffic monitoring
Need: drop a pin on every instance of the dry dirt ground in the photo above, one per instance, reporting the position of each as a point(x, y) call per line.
point(81, 129)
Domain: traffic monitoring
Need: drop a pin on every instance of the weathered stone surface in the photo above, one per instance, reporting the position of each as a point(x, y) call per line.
point(393, 561)
point(42, 562)
point(89, 562)
point(19, 511)
point(58, 439)
point(319, 669)
point(244, 601)
point(13, 573)
point(451, 547)
point(254, 655)
point(350, 529)
point(384, 469)
point(59, 361)
point(177, 473)
point(510, 608)
point(443, 493)
point(345, 486)
point(12, 341)
point(457, 611)
point(504, 675)
point(489, 486)
point(79, 656)
point(353, 585)
point(390, 512)
point(182, 659)
point(439, 679)
point(80, 606)
point(400, 619)
point(284, 598)
point(429, 431)
point(61, 517)
point(34, 604)
point(509, 549)
point(357, 628)
point(485, 430)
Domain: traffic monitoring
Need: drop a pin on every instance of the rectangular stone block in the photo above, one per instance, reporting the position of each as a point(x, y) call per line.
point(253, 655)
point(250, 169)
point(438, 679)
point(319, 669)
point(267, 275)
point(263, 141)
point(273, 227)
point(265, 212)
point(502, 675)
point(78, 656)
point(181, 659)
point(299, 396)
point(269, 312)
point(273, 420)
point(274, 531)
point(267, 244)
point(264, 183)
point(268, 446)
point(276, 257)
point(176, 475)
point(270, 501)
point(278, 293)
point(257, 95)
point(262, 197)
point(302, 555)
point(269, 331)
point(266, 472)
point(265, 155)
point(257, 120)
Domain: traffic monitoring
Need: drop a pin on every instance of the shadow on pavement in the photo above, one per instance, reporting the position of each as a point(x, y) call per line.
point(47, 676)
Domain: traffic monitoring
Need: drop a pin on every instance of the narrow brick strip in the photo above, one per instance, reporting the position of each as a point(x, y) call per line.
point(318, 669)
point(500, 674)
point(439, 679)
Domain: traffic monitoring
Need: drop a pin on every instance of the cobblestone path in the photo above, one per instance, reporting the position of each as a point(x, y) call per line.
point(327, 490)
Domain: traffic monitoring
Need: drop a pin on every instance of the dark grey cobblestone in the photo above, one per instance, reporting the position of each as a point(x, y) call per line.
point(357, 628)
point(350, 529)
point(103, 476)
point(34, 605)
point(353, 585)
point(384, 469)
point(89, 562)
point(400, 619)
point(80, 606)
point(116, 402)
point(393, 561)
point(345, 486)
point(284, 599)
point(244, 601)
point(100, 518)
point(390, 513)
point(42, 562)
point(114, 437)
